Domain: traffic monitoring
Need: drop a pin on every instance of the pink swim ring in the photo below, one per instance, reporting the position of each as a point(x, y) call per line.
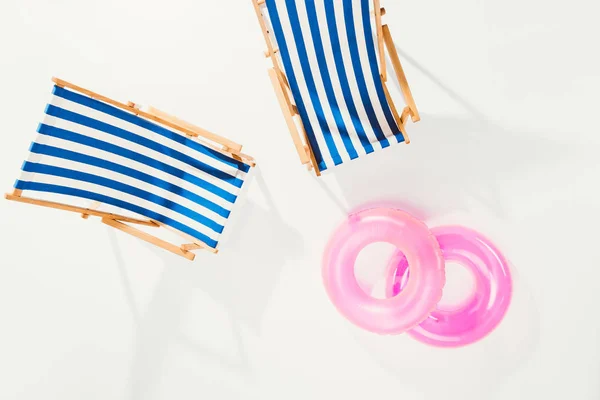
point(421, 293)
point(485, 308)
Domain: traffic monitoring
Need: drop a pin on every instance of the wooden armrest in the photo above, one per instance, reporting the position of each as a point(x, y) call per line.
point(228, 144)
point(389, 42)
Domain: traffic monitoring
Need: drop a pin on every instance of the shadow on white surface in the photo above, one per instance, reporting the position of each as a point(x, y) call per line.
point(477, 154)
point(472, 372)
point(239, 281)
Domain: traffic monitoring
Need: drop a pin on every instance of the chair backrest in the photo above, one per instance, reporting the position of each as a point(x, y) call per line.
point(329, 53)
point(89, 149)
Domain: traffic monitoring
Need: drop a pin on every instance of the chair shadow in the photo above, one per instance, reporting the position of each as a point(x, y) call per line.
point(240, 280)
point(460, 160)
point(475, 152)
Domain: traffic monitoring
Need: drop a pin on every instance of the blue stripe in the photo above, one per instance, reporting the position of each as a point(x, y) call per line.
point(121, 187)
point(121, 169)
point(343, 77)
point(358, 72)
point(134, 138)
point(376, 73)
point(310, 81)
point(333, 104)
point(111, 148)
point(44, 187)
point(143, 123)
point(285, 57)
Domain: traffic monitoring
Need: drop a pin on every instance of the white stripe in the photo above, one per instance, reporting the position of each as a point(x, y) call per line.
point(127, 126)
point(90, 169)
point(126, 144)
point(71, 183)
point(319, 82)
point(336, 79)
point(304, 93)
point(352, 81)
point(364, 58)
point(133, 128)
point(108, 156)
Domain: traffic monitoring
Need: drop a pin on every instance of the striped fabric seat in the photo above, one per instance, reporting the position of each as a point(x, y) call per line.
point(328, 51)
point(91, 150)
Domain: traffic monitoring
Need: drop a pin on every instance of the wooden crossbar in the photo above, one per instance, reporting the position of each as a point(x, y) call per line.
point(289, 117)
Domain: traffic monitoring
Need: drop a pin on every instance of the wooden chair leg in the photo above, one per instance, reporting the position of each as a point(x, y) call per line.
point(149, 238)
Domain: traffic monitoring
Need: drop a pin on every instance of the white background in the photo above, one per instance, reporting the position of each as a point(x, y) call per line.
point(508, 144)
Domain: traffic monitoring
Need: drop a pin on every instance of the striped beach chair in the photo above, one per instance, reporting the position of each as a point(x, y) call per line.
point(329, 74)
point(131, 167)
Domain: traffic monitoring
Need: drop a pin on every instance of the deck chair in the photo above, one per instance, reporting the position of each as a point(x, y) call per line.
point(329, 74)
point(143, 168)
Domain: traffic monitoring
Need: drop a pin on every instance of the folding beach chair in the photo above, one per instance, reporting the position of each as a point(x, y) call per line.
point(145, 168)
point(329, 74)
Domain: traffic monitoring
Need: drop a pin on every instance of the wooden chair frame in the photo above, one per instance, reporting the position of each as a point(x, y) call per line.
point(284, 93)
point(121, 222)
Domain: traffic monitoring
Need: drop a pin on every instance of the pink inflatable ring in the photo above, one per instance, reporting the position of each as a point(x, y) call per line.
point(485, 308)
point(418, 298)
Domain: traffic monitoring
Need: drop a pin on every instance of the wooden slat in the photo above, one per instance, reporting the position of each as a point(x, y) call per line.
point(378, 14)
point(270, 48)
point(94, 206)
point(224, 150)
point(288, 117)
point(389, 42)
point(235, 147)
point(399, 120)
point(191, 246)
point(313, 161)
point(285, 87)
point(192, 239)
point(80, 210)
point(405, 115)
point(149, 238)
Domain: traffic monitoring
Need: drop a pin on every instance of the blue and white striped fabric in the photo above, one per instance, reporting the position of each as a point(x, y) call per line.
point(92, 150)
point(328, 50)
